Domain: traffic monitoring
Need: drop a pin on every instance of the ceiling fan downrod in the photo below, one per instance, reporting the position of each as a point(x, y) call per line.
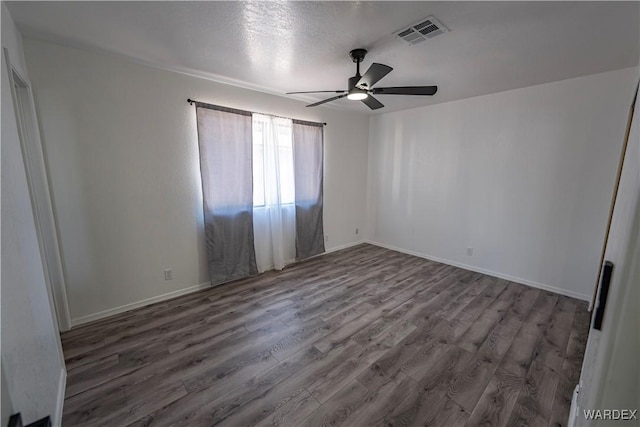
point(354, 92)
point(357, 56)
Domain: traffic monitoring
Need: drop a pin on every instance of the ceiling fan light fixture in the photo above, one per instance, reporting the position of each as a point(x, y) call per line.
point(360, 87)
point(356, 94)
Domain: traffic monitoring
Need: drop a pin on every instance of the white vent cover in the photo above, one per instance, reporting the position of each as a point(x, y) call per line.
point(425, 29)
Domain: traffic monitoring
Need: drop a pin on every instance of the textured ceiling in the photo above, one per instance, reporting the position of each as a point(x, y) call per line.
point(279, 47)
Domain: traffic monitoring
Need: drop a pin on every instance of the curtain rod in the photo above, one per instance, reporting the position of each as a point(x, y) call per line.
point(193, 101)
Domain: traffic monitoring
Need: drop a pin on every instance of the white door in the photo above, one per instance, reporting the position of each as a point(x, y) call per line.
point(610, 377)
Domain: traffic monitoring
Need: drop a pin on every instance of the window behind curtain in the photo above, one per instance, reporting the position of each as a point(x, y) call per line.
point(273, 191)
point(283, 137)
point(262, 190)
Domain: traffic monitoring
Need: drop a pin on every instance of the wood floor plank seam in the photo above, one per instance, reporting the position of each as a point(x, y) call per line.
point(360, 337)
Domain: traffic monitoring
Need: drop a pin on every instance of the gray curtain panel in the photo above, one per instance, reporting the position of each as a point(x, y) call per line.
point(308, 171)
point(224, 138)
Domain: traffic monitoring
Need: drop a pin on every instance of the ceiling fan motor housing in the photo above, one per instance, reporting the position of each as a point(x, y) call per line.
point(352, 82)
point(356, 93)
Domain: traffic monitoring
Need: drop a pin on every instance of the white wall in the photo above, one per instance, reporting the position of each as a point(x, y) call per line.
point(32, 369)
point(523, 177)
point(121, 145)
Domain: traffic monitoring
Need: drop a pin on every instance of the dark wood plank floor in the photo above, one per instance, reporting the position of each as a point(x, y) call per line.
point(361, 337)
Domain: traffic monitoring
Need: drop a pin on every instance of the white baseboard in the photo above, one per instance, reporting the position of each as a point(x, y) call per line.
point(158, 298)
point(293, 261)
point(169, 295)
point(345, 246)
point(531, 283)
point(573, 411)
point(137, 304)
point(62, 386)
point(336, 249)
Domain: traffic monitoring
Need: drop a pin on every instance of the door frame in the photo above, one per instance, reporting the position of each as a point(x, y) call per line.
point(40, 194)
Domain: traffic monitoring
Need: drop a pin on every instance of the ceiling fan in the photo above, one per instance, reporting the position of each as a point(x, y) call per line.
point(360, 87)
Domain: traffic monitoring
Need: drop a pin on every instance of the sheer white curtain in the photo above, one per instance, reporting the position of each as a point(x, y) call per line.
point(273, 192)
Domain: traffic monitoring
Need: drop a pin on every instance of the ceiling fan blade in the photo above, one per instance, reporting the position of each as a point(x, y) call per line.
point(327, 100)
point(405, 90)
point(374, 74)
point(318, 91)
point(372, 103)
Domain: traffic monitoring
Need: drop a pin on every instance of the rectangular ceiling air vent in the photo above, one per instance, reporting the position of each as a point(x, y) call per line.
point(425, 29)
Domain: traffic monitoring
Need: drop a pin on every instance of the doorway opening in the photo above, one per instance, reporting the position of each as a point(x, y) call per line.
point(41, 200)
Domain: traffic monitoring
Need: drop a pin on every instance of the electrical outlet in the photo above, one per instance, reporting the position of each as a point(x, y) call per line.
point(168, 274)
point(470, 251)
point(357, 231)
point(326, 238)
